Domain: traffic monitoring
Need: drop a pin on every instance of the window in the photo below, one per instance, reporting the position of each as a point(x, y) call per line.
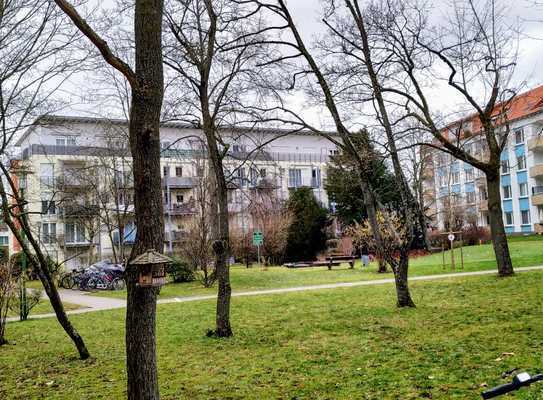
point(470, 197)
point(519, 136)
point(505, 166)
point(442, 181)
point(262, 172)
point(178, 171)
point(48, 232)
point(165, 145)
point(523, 189)
point(4, 240)
point(166, 198)
point(455, 178)
point(65, 141)
point(74, 233)
point(525, 217)
point(253, 176)
point(469, 175)
point(241, 177)
point(507, 191)
point(482, 194)
point(294, 177)
point(47, 175)
point(48, 207)
point(508, 218)
point(179, 198)
point(315, 178)
point(166, 170)
point(521, 162)
point(333, 152)
point(199, 171)
point(238, 148)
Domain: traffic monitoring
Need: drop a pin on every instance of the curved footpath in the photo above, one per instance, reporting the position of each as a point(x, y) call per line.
point(94, 303)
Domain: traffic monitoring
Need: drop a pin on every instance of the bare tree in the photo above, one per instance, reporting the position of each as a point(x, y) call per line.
point(476, 47)
point(32, 37)
point(211, 46)
point(7, 289)
point(146, 83)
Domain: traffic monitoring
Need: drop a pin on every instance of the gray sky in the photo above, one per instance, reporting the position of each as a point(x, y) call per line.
point(529, 71)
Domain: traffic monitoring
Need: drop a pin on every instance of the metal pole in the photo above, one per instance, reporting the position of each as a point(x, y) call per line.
point(169, 196)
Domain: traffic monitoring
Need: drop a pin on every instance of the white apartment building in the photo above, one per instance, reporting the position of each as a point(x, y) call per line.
point(61, 160)
point(454, 186)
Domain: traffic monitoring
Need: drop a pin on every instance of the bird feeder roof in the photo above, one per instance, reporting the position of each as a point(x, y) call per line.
point(151, 257)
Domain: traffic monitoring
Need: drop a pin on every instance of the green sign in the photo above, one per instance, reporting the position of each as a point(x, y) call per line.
point(258, 238)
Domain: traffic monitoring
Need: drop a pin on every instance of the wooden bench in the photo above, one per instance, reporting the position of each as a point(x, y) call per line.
point(311, 264)
point(337, 259)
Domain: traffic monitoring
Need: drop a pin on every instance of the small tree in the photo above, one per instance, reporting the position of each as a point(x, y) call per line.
point(306, 234)
point(7, 288)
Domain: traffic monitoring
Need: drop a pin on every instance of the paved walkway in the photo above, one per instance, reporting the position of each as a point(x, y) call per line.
point(95, 303)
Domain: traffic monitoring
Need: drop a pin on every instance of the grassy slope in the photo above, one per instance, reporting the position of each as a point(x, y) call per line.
point(525, 251)
point(332, 344)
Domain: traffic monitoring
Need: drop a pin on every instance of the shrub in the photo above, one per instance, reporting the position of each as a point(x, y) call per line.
point(33, 297)
point(180, 271)
point(473, 235)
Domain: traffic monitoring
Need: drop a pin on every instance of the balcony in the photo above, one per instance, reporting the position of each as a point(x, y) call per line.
point(536, 144)
point(483, 205)
point(68, 182)
point(537, 195)
point(75, 243)
point(80, 210)
point(179, 182)
point(176, 236)
point(180, 209)
point(264, 184)
point(536, 171)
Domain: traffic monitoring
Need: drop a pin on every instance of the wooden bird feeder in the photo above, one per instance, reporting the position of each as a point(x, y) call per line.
point(152, 268)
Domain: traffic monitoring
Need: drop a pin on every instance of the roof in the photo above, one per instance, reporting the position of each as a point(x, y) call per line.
point(522, 106)
point(67, 119)
point(151, 257)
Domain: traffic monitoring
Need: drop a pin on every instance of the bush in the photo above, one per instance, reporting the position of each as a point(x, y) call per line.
point(180, 271)
point(33, 297)
point(473, 235)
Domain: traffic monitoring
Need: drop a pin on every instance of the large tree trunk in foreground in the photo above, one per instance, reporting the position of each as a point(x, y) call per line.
point(497, 229)
point(145, 149)
point(400, 278)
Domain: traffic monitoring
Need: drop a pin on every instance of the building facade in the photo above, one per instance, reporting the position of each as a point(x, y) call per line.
point(76, 177)
point(456, 193)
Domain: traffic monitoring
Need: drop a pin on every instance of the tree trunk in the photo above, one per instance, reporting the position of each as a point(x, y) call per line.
point(58, 307)
point(221, 239)
point(382, 265)
point(400, 278)
point(497, 229)
point(145, 148)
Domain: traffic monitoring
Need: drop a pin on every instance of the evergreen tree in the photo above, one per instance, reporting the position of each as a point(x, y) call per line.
point(306, 235)
point(343, 186)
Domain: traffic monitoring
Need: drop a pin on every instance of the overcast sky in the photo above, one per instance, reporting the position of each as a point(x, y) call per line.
point(529, 71)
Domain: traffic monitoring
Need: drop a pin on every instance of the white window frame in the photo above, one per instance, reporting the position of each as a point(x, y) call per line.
point(525, 217)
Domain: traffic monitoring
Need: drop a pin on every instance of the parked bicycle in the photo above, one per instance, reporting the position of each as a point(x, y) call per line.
point(520, 380)
point(101, 275)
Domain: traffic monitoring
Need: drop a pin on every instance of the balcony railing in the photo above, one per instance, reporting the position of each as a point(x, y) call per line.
point(536, 171)
point(179, 182)
point(535, 144)
point(180, 209)
point(537, 195)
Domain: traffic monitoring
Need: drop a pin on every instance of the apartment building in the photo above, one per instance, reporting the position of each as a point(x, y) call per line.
point(455, 191)
point(72, 169)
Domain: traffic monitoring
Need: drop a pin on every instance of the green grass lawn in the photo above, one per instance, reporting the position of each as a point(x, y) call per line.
point(44, 307)
point(349, 343)
point(525, 251)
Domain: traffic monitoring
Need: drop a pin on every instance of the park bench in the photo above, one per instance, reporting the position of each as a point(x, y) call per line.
point(320, 263)
point(338, 259)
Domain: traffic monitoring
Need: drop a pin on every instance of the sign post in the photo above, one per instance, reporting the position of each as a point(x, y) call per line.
point(258, 239)
point(451, 239)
